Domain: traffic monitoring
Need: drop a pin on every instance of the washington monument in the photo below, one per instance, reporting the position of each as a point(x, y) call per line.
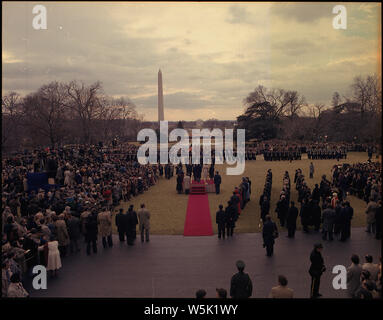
point(160, 98)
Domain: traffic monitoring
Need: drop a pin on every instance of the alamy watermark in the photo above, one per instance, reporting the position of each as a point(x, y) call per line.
point(39, 21)
point(340, 20)
point(40, 280)
point(182, 147)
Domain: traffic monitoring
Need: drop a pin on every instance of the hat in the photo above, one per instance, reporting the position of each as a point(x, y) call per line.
point(318, 246)
point(240, 264)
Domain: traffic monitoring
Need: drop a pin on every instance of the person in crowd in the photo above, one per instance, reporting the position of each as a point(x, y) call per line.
point(74, 227)
point(372, 268)
point(180, 180)
point(221, 293)
point(144, 223)
point(119, 221)
point(291, 220)
point(186, 182)
point(366, 291)
point(221, 220)
point(200, 294)
point(104, 219)
point(316, 214)
point(311, 170)
point(217, 182)
point(305, 215)
point(231, 218)
point(131, 222)
point(316, 270)
point(379, 221)
point(62, 235)
point(353, 276)
point(346, 215)
point(15, 288)
point(269, 234)
point(371, 216)
point(54, 260)
point(328, 217)
point(91, 232)
point(265, 208)
point(282, 209)
point(6, 274)
point(281, 291)
point(241, 286)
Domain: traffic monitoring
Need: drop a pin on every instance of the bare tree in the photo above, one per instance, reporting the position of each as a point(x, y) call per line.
point(45, 111)
point(11, 106)
point(281, 103)
point(368, 93)
point(118, 117)
point(86, 105)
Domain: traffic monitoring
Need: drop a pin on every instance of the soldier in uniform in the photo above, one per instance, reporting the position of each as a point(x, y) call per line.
point(316, 270)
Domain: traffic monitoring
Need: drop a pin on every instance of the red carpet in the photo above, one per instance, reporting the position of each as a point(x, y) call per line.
point(198, 220)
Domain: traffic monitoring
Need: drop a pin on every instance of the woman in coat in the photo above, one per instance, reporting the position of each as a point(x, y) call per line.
point(105, 227)
point(54, 260)
point(62, 234)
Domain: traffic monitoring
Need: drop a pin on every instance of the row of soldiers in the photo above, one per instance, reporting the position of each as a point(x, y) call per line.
point(278, 155)
point(167, 169)
point(320, 154)
point(251, 154)
point(284, 200)
point(301, 186)
point(264, 200)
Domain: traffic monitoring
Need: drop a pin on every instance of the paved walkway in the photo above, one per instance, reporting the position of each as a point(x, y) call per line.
point(176, 266)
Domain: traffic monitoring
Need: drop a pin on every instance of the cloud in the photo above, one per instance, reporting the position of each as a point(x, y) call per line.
point(303, 12)
point(211, 54)
point(238, 14)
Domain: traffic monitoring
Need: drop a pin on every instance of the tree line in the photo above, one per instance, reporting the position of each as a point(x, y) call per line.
point(285, 114)
point(69, 113)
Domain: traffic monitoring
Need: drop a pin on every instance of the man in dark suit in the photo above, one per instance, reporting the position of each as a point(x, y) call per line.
point(221, 221)
point(231, 218)
point(346, 214)
point(241, 286)
point(120, 225)
point(269, 233)
point(91, 234)
point(291, 220)
point(217, 182)
point(305, 215)
point(282, 208)
point(131, 222)
point(316, 213)
point(316, 270)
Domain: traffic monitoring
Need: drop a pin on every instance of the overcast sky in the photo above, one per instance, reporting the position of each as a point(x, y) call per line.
point(211, 54)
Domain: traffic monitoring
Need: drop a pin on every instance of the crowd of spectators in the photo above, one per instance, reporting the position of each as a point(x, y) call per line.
point(84, 186)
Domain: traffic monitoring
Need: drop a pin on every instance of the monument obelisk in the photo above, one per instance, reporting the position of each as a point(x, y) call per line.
point(160, 98)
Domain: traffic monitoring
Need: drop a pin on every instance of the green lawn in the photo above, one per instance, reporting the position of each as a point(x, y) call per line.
point(168, 209)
